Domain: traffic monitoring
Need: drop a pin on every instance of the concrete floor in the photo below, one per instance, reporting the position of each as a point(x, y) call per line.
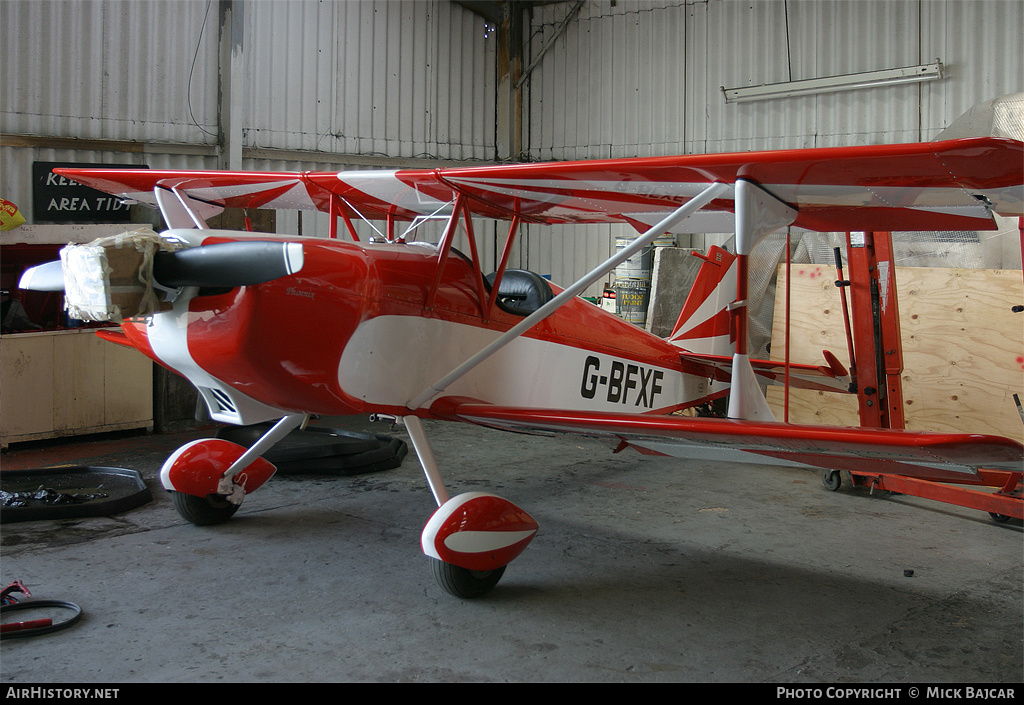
point(645, 570)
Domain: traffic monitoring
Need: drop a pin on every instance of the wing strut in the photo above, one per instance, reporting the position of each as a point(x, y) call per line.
point(181, 210)
point(684, 211)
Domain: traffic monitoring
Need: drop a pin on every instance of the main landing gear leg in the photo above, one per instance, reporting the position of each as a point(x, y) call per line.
point(472, 537)
point(209, 477)
point(425, 453)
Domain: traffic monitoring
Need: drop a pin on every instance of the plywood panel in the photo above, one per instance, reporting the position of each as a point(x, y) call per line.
point(71, 382)
point(27, 404)
point(963, 347)
point(127, 386)
point(77, 382)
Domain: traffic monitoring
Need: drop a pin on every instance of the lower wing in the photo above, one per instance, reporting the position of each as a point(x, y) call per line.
point(939, 456)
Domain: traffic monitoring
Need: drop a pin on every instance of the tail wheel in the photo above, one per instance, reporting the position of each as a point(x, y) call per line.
point(462, 582)
point(203, 511)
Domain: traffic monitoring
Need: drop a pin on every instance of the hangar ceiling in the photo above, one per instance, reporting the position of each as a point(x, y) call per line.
point(511, 68)
point(493, 10)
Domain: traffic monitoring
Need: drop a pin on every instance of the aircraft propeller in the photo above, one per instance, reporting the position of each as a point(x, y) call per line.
point(227, 264)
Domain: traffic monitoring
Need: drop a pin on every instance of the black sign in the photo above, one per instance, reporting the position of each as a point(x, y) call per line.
point(57, 199)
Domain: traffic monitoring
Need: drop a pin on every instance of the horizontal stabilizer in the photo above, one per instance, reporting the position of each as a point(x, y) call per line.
point(833, 378)
point(228, 264)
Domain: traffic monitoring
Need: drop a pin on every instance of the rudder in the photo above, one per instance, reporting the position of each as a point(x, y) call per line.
point(705, 324)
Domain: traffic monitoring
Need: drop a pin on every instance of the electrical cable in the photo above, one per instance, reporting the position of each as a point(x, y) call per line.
point(192, 70)
point(7, 631)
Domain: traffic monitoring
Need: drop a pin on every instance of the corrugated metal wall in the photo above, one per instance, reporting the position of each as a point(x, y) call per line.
point(402, 79)
point(644, 77)
point(639, 77)
point(612, 84)
point(389, 82)
point(108, 70)
point(394, 81)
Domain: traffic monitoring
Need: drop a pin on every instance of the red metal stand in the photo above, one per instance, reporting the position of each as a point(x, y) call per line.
point(876, 329)
point(877, 364)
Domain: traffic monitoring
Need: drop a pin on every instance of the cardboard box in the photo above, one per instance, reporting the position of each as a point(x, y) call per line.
point(111, 279)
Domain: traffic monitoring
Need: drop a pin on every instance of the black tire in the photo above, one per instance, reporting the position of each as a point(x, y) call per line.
point(203, 511)
point(462, 582)
point(831, 479)
point(1001, 518)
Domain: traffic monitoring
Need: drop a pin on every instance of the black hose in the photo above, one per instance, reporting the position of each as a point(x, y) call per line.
point(36, 604)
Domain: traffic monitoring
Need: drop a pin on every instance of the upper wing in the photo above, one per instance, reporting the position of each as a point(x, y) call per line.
point(224, 189)
point(942, 456)
point(951, 185)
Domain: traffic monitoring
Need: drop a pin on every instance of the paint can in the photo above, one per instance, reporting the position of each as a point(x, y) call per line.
point(633, 279)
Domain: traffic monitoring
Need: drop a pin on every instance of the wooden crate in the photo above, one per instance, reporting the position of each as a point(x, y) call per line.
point(71, 382)
point(963, 347)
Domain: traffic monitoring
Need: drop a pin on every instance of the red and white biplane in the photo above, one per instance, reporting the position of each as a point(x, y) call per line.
point(277, 328)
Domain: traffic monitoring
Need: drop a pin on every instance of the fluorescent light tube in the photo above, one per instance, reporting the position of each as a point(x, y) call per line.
point(830, 84)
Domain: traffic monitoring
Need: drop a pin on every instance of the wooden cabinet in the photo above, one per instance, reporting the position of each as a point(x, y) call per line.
point(70, 382)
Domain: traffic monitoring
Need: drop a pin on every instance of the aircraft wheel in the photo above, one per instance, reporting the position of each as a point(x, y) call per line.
point(203, 511)
point(831, 479)
point(462, 582)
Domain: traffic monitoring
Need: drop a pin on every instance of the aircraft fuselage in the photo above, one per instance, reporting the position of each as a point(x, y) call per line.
point(365, 327)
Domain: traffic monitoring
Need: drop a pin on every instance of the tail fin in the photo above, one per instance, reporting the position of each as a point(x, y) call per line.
point(704, 324)
point(707, 341)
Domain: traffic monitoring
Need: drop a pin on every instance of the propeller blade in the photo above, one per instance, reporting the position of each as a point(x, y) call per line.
point(43, 277)
point(228, 264)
